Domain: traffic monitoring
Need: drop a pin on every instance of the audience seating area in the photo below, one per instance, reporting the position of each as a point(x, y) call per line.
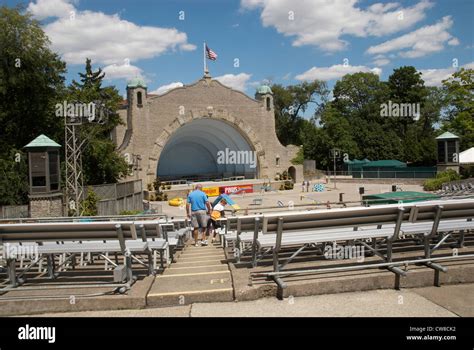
point(65, 246)
point(33, 248)
point(375, 228)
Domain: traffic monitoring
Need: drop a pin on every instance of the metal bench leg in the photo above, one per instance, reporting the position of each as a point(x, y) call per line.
point(276, 264)
point(128, 266)
point(60, 261)
point(461, 239)
point(254, 242)
point(276, 267)
point(11, 267)
point(167, 255)
point(106, 262)
point(389, 251)
point(162, 262)
point(50, 265)
point(170, 254)
point(151, 269)
point(276, 248)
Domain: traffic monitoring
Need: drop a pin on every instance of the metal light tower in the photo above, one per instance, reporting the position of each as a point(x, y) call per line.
point(73, 149)
point(74, 175)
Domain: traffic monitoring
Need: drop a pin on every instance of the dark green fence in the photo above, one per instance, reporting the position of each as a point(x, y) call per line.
point(394, 173)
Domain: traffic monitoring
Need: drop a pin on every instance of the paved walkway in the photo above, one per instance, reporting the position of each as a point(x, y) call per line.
point(350, 190)
point(447, 301)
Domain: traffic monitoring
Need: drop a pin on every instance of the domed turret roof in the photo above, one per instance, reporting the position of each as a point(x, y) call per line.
point(136, 82)
point(264, 89)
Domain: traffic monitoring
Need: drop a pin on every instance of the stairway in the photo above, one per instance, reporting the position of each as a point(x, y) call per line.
point(199, 275)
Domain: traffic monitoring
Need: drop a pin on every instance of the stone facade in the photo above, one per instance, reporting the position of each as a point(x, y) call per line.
point(46, 206)
point(150, 125)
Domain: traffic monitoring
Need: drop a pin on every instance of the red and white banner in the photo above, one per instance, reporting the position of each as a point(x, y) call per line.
point(236, 189)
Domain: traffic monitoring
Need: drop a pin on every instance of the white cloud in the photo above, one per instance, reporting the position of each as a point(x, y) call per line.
point(51, 8)
point(381, 60)
point(434, 77)
point(421, 42)
point(334, 72)
point(322, 23)
point(104, 38)
point(235, 81)
point(117, 71)
point(165, 88)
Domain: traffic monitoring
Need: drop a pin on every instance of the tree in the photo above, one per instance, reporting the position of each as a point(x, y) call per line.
point(289, 101)
point(101, 162)
point(353, 121)
point(407, 87)
point(13, 178)
point(31, 83)
point(357, 101)
point(459, 97)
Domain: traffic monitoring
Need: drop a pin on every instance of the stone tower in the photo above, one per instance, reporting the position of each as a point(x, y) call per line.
point(264, 93)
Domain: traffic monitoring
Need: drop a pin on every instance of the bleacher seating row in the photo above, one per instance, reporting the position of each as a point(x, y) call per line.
point(457, 188)
point(431, 223)
point(63, 243)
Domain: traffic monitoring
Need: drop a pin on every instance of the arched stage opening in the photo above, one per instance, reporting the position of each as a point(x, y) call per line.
point(207, 148)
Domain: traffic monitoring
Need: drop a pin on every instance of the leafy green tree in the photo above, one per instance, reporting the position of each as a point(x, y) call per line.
point(358, 99)
point(290, 102)
point(31, 83)
point(353, 123)
point(13, 178)
point(101, 162)
point(407, 87)
point(459, 97)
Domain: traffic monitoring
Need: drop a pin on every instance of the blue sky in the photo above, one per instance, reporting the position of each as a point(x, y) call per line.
point(287, 41)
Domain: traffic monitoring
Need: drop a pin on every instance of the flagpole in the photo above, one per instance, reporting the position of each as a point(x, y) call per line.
point(204, 57)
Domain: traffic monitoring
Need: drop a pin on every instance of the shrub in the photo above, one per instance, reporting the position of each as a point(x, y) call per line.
point(449, 175)
point(130, 212)
point(89, 205)
point(441, 178)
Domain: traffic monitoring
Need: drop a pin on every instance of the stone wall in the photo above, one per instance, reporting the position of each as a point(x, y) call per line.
point(46, 206)
point(150, 126)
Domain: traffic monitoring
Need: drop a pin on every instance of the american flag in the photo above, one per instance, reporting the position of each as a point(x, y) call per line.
point(211, 54)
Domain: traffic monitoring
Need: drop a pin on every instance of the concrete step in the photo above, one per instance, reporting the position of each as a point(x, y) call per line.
point(199, 275)
point(195, 269)
point(186, 289)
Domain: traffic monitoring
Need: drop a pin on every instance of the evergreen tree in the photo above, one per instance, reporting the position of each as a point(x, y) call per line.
point(101, 162)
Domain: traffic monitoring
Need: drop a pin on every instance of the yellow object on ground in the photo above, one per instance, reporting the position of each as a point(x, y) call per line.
point(176, 202)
